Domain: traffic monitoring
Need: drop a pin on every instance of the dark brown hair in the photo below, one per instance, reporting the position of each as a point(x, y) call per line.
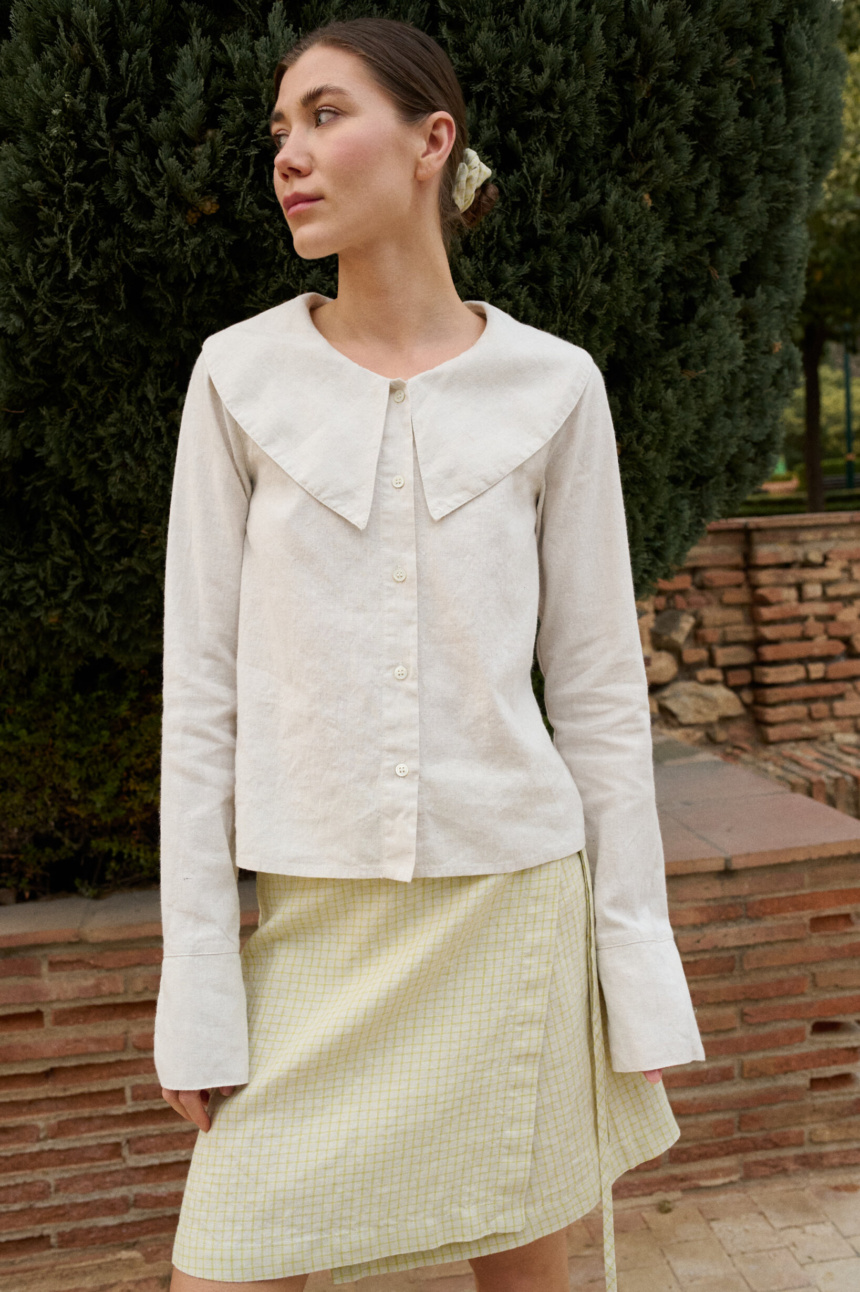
point(417, 75)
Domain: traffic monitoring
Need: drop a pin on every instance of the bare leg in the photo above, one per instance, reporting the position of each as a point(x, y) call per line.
point(540, 1266)
point(182, 1282)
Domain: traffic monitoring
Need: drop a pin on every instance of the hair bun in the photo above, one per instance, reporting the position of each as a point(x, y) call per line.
point(482, 203)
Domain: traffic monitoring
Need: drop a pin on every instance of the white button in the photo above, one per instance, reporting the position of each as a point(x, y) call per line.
point(402, 769)
point(399, 396)
point(401, 671)
point(399, 574)
point(398, 482)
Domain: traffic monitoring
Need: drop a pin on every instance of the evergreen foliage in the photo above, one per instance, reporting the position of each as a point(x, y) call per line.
point(656, 164)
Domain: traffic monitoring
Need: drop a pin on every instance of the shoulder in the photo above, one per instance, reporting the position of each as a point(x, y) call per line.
point(550, 348)
point(270, 324)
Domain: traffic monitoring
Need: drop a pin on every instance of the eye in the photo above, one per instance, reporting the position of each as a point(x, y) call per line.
point(278, 139)
point(317, 112)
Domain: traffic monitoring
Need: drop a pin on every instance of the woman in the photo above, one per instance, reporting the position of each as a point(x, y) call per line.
point(432, 1048)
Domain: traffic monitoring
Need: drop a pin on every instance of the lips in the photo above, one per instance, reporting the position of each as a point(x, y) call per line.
point(299, 202)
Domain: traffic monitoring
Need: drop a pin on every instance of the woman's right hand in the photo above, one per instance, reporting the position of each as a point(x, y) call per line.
point(191, 1104)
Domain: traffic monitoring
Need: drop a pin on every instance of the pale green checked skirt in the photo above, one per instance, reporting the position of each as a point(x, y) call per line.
point(429, 1081)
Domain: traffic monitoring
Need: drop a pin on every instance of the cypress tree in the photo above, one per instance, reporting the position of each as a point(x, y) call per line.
point(656, 164)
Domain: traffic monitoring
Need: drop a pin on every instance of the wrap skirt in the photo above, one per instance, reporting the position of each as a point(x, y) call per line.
point(430, 1080)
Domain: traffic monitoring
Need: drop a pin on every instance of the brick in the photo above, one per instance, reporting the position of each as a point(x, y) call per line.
point(727, 656)
point(31, 1217)
point(24, 1191)
point(779, 674)
point(741, 1144)
point(738, 677)
point(20, 967)
point(677, 583)
point(828, 1007)
point(75, 961)
point(722, 578)
point(81, 1074)
point(775, 554)
point(93, 1181)
point(146, 1201)
point(770, 1065)
point(769, 614)
point(803, 691)
point(706, 555)
point(781, 712)
point(749, 1096)
point(717, 616)
point(71, 988)
point(22, 1021)
point(140, 982)
point(14, 1247)
point(10, 1110)
point(677, 1077)
point(812, 1110)
point(708, 636)
point(110, 1123)
point(737, 597)
point(706, 675)
point(179, 1140)
point(14, 1136)
point(49, 1160)
point(807, 730)
point(144, 1093)
point(815, 647)
point(721, 1018)
point(844, 552)
point(702, 914)
point(843, 976)
point(739, 935)
point(747, 990)
point(707, 966)
point(760, 1168)
point(831, 923)
point(790, 631)
point(95, 1014)
point(809, 953)
point(142, 1040)
point(101, 1235)
point(772, 1039)
point(692, 655)
point(708, 1128)
point(843, 668)
point(53, 1047)
point(773, 595)
point(817, 900)
point(847, 708)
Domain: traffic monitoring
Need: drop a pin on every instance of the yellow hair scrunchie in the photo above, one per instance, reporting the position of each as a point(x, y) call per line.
point(471, 174)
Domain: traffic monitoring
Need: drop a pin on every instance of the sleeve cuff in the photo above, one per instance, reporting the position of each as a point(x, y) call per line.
point(652, 1022)
point(201, 1022)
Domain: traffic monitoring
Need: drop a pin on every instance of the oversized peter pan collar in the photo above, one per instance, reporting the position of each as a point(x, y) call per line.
point(320, 416)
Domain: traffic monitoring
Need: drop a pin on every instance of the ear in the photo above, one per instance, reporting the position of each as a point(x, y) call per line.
point(436, 139)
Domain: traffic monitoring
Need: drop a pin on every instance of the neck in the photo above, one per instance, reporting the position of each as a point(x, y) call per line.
point(395, 296)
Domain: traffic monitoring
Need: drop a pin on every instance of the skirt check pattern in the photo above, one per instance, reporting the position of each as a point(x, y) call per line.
point(430, 1080)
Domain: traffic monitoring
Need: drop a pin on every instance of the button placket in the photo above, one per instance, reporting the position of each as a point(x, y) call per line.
point(400, 765)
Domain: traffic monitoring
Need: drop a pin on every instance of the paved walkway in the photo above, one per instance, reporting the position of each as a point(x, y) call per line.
point(771, 1236)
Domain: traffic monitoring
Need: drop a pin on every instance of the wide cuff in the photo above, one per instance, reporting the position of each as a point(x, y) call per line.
point(201, 1022)
point(652, 1021)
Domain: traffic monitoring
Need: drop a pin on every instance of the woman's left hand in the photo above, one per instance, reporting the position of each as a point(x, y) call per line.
point(655, 1075)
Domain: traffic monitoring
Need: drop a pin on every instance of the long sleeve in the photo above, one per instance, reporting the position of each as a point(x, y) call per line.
point(596, 697)
point(201, 1035)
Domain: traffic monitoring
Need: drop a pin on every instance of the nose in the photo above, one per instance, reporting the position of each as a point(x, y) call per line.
point(291, 160)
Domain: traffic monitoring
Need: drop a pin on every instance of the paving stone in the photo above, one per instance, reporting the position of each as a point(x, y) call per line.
point(633, 1250)
point(749, 1233)
point(773, 1271)
point(816, 1243)
point(683, 1222)
point(653, 1278)
point(726, 1205)
point(784, 1207)
point(841, 1206)
point(697, 1258)
point(837, 1276)
point(718, 1283)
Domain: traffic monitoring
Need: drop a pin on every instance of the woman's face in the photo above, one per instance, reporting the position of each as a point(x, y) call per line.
point(368, 177)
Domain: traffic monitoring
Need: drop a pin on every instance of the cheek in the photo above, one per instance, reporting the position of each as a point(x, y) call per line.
point(368, 164)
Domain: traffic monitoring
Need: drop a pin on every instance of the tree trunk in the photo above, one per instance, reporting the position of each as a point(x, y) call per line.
point(813, 346)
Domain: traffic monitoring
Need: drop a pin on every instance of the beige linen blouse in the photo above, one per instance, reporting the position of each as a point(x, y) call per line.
point(356, 566)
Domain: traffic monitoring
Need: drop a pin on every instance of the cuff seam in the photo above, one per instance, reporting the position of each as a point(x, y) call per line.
point(613, 946)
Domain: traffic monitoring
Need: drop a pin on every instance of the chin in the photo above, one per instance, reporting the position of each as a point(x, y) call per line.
point(311, 247)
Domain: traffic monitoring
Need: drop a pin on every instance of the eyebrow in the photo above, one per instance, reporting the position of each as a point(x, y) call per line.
point(308, 98)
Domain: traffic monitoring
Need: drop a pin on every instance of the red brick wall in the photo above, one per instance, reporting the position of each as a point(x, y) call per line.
point(90, 1156)
point(771, 956)
point(776, 602)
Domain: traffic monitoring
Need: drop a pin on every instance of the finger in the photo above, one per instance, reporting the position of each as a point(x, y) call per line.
point(226, 1090)
point(172, 1097)
point(193, 1102)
